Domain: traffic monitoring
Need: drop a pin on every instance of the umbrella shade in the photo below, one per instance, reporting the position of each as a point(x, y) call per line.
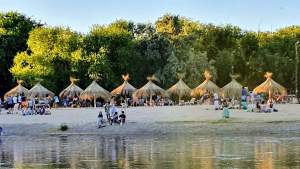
point(206, 86)
point(94, 91)
point(19, 89)
point(149, 90)
point(232, 90)
point(180, 89)
point(270, 86)
point(124, 89)
point(40, 91)
point(71, 91)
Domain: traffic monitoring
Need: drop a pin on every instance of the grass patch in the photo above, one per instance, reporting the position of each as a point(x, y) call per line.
point(220, 121)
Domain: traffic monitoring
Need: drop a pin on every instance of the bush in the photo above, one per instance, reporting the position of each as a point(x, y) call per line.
point(64, 127)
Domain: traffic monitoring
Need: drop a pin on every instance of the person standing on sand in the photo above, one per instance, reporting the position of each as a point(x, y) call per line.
point(216, 101)
point(112, 111)
point(10, 104)
point(106, 109)
point(100, 120)
point(56, 101)
point(15, 100)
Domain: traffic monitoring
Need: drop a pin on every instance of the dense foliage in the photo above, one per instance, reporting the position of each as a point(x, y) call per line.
point(171, 45)
point(14, 32)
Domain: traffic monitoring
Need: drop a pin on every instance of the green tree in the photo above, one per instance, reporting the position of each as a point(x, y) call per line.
point(14, 32)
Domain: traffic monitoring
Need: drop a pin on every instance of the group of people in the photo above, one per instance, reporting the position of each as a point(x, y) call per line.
point(112, 116)
point(248, 101)
point(26, 106)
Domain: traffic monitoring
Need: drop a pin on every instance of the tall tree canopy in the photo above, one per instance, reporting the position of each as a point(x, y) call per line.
point(173, 44)
point(14, 32)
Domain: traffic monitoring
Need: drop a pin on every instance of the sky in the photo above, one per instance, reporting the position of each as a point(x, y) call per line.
point(80, 15)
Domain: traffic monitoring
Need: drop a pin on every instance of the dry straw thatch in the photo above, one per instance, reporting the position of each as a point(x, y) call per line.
point(270, 86)
point(125, 89)
point(150, 89)
point(180, 89)
point(40, 91)
point(232, 89)
point(18, 90)
point(72, 90)
point(206, 86)
point(94, 91)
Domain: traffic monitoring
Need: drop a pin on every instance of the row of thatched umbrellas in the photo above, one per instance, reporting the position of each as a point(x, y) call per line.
point(180, 89)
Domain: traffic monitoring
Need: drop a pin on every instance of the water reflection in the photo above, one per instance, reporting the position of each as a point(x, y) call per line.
point(147, 152)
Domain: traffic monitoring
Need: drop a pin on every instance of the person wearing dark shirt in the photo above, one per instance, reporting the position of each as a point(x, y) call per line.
point(122, 118)
point(100, 120)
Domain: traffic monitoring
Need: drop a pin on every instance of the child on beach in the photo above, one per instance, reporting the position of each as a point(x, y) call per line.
point(122, 118)
point(115, 118)
point(100, 120)
point(225, 109)
point(112, 111)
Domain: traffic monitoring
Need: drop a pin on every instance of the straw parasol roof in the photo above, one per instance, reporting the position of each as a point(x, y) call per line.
point(40, 91)
point(94, 91)
point(206, 86)
point(232, 89)
point(72, 90)
point(125, 88)
point(270, 86)
point(150, 89)
point(180, 89)
point(19, 89)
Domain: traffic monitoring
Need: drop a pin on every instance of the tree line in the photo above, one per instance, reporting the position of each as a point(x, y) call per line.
point(30, 50)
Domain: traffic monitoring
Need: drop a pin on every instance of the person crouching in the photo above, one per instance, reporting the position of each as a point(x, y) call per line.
point(122, 118)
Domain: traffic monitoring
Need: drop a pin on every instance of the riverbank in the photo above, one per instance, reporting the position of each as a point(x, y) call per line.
point(197, 119)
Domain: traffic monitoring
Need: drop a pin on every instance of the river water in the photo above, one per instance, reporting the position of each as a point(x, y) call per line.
point(165, 151)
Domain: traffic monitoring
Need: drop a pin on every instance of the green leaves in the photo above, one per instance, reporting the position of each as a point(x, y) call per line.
point(172, 45)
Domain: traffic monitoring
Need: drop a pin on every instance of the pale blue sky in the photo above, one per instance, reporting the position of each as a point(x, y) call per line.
point(81, 14)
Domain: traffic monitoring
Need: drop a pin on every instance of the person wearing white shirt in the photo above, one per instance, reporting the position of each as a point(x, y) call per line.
point(216, 101)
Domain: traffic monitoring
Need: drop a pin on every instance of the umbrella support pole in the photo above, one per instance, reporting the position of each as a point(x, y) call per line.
point(95, 106)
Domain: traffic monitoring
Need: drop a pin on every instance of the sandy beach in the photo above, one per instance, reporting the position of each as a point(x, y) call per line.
point(199, 119)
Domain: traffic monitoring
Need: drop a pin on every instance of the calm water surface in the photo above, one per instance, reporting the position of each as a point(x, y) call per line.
point(176, 152)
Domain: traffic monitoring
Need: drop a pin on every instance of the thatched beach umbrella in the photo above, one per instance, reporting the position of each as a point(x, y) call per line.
point(150, 89)
point(232, 89)
point(40, 91)
point(180, 89)
point(18, 90)
point(270, 86)
point(125, 89)
point(94, 91)
point(206, 86)
point(72, 90)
